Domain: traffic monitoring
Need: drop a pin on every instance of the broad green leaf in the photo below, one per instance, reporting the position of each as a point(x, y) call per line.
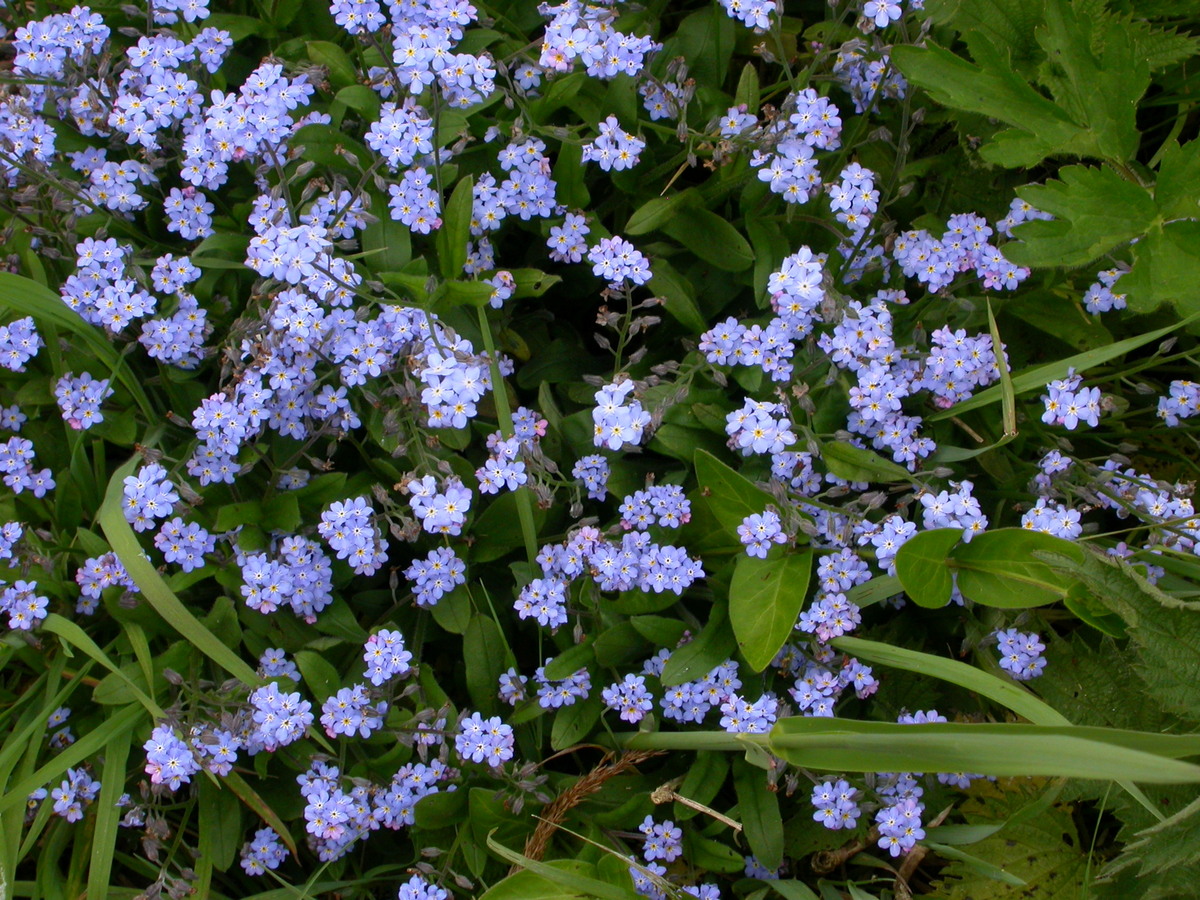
point(923, 566)
point(703, 781)
point(859, 464)
point(707, 650)
point(532, 282)
point(386, 242)
point(747, 91)
point(759, 814)
point(573, 723)
point(318, 673)
point(1001, 568)
point(568, 662)
point(526, 885)
point(678, 295)
point(485, 655)
point(494, 532)
point(218, 832)
point(454, 610)
point(361, 99)
point(1037, 377)
point(658, 630)
point(711, 238)
point(1165, 261)
point(765, 600)
point(1001, 750)
point(729, 495)
point(455, 232)
point(657, 211)
point(1095, 210)
point(342, 71)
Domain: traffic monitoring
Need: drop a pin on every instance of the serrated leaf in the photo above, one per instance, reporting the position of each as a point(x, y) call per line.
point(765, 599)
point(1044, 852)
point(1165, 262)
point(1165, 631)
point(991, 87)
point(1095, 210)
point(1177, 190)
point(1099, 90)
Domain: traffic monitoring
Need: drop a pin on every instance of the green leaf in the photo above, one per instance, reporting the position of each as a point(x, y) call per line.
point(1037, 377)
point(1095, 210)
point(729, 495)
point(361, 99)
point(1044, 853)
point(486, 655)
point(526, 885)
point(125, 545)
point(570, 880)
point(759, 814)
point(657, 211)
point(1177, 190)
point(573, 723)
point(386, 242)
point(576, 657)
point(454, 611)
point(712, 239)
point(1001, 750)
point(859, 464)
point(28, 298)
point(992, 88)
point(319, 674)
point(108, 814)
point(1004, 692)
point(765, 599)
point(455, 232)
point(1001, 568)
point(678, 295)
point(747, 91)
point(1165, 261)
point(341, 68)
point(1164, 630)
point(923, 566)
point(494, 530)
point(1170, 844)
point(709, 649)
point(1099, 90)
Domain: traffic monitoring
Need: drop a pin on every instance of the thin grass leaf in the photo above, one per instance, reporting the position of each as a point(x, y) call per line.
point(1038, 377)
point(27, 297)
point(255, 803)
point(1007, 693)
point(72, 756)
point(580, 884)
point(108, 814)
point(125, 545)
point(1001, 750)
point(983, 867)
point(76, 637)
point(1008, 399)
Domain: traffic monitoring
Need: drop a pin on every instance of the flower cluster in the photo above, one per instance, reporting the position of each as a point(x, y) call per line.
point(348, 528)
point(350, 711)
point(19, 343)
point(1068, 403)
point(1020, 654)
point(169, 760)
point(22, 604)
point(615, 423)
point(436, 575)
point(297, 574)
point(16, 466)
point(615, 149)
point(386, 656)
point(484, 740)
point(835, 804)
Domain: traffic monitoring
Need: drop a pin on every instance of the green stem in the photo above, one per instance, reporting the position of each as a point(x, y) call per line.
point(504, 414)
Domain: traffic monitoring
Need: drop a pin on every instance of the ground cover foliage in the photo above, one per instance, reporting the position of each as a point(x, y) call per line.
point(729, 449)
